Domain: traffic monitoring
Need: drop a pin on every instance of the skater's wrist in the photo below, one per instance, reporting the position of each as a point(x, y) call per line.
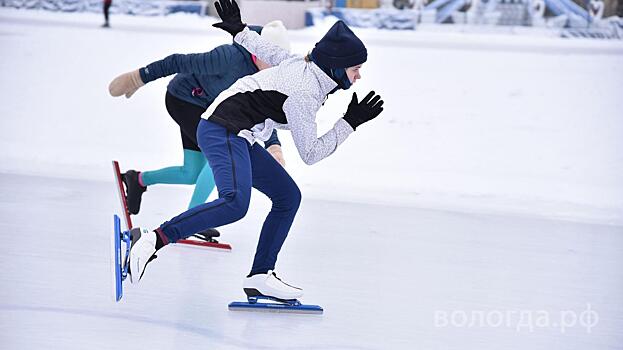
point(144, 73)
point(271, 142)
point(275, 151)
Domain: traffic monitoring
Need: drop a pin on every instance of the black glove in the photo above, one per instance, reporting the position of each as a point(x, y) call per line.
point(366, 110)
point(230, 15)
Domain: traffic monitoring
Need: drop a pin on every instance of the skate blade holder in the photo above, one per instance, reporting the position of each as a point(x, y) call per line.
point(270, 304)
point(127, 239)
point(201, 243)
point(119, 263)
point(267, 300)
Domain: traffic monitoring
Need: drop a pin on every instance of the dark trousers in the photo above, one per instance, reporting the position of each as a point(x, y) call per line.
point(107, 4)
point(187, 116)
point(238, 166)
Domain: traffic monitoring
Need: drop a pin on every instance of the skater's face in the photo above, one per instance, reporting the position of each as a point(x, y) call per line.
point(353, 73)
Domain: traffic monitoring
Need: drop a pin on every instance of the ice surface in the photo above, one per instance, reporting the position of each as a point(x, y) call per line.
point(380, 272)
point(491, 183)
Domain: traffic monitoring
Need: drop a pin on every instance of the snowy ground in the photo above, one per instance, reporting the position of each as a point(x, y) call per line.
point(489, 188)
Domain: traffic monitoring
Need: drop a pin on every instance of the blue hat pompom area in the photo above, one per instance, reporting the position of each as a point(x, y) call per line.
point(339, 48)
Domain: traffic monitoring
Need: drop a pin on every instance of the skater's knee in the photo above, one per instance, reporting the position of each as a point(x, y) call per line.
point(193, 165)
point(238, 202)
point(289, 200)
point(189, 175)
point(296, 197)
point(240, 208)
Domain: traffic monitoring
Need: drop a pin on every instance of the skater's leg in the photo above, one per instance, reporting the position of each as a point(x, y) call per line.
point(203, 187)
point(228, 156)
point(137, 182)
point(106, 9)
point(194, 162)
point(270, 178)
point(187, 116)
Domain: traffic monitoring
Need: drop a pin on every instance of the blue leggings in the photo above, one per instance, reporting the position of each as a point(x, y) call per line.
point(238, 166)
point(194, 171)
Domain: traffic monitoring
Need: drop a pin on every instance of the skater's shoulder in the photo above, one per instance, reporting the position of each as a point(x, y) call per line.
point(231, 49)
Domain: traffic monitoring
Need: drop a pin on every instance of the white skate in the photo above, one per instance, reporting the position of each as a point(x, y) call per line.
point(269, 285)
point(142, 251)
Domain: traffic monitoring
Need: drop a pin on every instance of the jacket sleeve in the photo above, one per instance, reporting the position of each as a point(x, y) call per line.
point(300, 112)
point(272, 140)
point(212, 62)
point(262, 48)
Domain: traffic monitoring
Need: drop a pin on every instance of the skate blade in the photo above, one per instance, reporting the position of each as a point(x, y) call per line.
point(224, 247)
point(121, 194)
point(275, 308)
point(115, 260)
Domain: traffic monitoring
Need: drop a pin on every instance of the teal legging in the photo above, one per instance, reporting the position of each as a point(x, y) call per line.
point(194, 171)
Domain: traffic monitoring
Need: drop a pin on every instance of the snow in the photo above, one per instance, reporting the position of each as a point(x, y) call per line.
point(491, 182)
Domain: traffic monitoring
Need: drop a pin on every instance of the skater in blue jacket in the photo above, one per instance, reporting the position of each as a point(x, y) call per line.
point(287, 96)
point(199, 79)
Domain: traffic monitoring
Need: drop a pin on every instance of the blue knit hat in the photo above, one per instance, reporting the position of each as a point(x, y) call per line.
point(339, 48)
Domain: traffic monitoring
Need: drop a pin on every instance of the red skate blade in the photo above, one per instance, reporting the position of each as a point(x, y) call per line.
point(220, 246)
point(121, 194)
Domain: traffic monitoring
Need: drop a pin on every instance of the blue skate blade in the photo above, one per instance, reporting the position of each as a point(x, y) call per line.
point(117, 261)
point(275, 307)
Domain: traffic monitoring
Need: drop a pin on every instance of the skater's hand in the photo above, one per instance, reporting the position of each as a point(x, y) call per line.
point(275, 151)
point(360, 112)
point(230, 16)
point(126, 84)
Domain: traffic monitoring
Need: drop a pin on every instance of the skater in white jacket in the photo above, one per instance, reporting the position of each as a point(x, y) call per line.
point(286, 96)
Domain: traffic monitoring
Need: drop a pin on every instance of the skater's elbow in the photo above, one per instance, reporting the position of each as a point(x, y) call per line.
point(309, 159)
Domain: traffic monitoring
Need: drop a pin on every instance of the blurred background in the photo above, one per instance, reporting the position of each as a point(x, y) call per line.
point(592, 18)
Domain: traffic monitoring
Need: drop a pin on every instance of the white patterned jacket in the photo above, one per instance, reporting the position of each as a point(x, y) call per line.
point(286, 96)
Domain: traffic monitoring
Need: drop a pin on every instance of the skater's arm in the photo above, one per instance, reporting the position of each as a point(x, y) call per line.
point(215, 62)
point(229, 12)
point(273, 146)
point(262, 48)
point(300, 112)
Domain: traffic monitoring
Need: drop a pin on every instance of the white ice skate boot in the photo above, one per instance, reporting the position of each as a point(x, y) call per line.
point(271, 286)
point(142, 251)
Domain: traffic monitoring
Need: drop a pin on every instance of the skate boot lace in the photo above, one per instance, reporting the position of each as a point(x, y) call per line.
point(151, 258)
point(280, 280)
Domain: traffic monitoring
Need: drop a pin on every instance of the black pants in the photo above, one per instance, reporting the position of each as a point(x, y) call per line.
point(187, 116)
point(107, 5)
